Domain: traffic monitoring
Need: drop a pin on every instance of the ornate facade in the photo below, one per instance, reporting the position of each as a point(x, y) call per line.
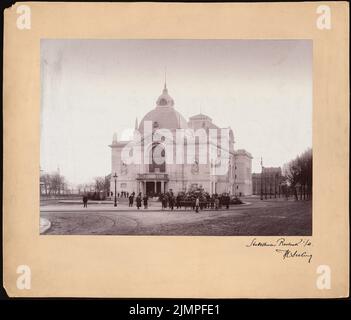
point(187, 167)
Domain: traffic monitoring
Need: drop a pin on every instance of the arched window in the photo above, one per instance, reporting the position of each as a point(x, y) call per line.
point(158, 158)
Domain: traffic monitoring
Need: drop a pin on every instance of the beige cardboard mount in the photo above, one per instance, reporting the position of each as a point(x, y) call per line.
point(161, 266)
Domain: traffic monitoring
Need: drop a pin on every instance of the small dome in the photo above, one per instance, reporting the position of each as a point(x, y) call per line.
point(164, 100)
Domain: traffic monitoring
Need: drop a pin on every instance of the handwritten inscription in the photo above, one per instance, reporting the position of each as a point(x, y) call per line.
point(288, 249)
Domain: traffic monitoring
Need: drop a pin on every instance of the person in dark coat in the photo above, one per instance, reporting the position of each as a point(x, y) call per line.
point(131, 200)
point(227, 201)
point(164, 201)
point(171, 202)
point(193, 201)
point(138, 201)
point(85, 201)
point(178, 201)
point(145, 199)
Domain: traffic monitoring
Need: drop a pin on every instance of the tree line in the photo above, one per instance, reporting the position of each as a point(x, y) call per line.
point(53, 184)
point(298, 173)
point(98, 189)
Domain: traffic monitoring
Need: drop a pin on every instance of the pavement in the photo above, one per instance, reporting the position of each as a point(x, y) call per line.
point(78, 207)
point(256, 217)
point(45, 225)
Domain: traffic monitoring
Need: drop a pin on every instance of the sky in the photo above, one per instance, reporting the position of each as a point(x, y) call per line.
point(90, 89)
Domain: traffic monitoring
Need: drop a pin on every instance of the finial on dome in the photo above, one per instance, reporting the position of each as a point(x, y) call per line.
point(166, 78)
point(114, 138)
point(165, 84)
point(136, 124)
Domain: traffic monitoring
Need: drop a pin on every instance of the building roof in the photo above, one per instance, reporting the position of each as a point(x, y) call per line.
point(200, 116)
point(242, 152)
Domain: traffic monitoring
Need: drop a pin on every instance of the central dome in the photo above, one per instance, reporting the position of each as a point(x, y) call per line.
point(164, 116)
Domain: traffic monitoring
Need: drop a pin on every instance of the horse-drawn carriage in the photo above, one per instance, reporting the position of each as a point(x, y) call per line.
point(188, 200)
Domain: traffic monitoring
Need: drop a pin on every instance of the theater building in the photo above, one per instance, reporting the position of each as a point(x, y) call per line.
point(169, 162)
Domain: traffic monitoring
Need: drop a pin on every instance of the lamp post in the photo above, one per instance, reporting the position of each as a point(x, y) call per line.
point(115, 177)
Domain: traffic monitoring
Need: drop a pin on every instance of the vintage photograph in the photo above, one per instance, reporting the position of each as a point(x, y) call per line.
point(176, 137)
point(176, 151)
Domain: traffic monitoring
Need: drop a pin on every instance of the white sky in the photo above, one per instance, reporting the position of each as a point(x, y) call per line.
point(262, 89)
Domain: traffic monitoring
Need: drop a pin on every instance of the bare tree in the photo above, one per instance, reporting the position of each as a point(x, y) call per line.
point(53, 183)
point(45, 179)
point(102, 184)
point(107, 185)
point(292, 173)
point(299, 174)
point(306, 177)
point(99, 184)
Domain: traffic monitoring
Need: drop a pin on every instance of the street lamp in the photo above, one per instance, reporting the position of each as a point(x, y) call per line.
point(115, 176)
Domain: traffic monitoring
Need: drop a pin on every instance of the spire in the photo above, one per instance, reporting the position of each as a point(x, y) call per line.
point(114, 138)
point(165, 85)
point(166, 78)
point(164, 100)
point(136, 124)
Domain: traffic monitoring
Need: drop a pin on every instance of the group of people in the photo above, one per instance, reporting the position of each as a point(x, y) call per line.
point(195, 200)
point(123, 194)
point(139, 200)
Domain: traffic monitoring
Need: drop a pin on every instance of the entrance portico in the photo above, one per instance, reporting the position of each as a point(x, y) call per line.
point(152, 183)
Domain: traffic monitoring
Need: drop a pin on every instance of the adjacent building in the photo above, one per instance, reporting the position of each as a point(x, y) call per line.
point(268, 182)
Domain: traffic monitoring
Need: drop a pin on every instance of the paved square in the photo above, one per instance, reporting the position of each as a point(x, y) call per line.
point(271, 217)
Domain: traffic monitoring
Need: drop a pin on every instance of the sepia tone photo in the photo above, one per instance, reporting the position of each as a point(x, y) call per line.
point(176, 137)
point(176, 150)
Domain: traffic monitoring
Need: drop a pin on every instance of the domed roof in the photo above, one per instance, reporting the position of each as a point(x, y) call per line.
point(165, 100)
point(164, 116)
